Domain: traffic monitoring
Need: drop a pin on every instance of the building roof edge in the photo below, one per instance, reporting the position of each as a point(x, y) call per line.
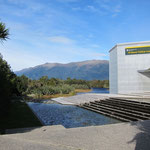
point(131, 43)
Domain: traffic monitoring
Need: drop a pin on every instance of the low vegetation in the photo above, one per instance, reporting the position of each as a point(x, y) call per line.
point(49, 88)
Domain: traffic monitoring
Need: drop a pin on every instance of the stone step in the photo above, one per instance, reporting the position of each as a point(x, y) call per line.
point(119, 111)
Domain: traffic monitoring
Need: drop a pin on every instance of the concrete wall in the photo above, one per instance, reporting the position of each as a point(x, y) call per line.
point(113, 71)
point(129, 80)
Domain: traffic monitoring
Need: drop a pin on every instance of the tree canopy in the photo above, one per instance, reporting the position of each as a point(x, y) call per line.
point(4, 32)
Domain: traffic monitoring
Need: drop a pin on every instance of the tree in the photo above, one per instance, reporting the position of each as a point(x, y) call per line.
point(4, 32)
point(5, 86)
point(5, 76)
point(21, 84)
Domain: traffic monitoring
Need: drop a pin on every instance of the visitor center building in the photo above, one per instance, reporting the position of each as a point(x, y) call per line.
point(129, 68)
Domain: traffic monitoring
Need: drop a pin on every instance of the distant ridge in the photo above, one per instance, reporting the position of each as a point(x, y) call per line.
point(87, 70)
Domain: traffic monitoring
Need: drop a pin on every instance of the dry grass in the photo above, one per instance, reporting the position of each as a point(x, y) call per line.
point(56, 95)
point(82, 90)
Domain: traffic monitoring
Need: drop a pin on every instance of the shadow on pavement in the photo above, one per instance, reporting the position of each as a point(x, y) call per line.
point(20, 130)
point(142, 138)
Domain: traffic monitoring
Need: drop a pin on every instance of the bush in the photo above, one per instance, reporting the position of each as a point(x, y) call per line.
point(50, 90)
point(80, 86)
point(66, 89)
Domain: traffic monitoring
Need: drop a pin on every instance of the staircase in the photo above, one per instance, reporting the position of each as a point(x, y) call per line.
point(121, 109)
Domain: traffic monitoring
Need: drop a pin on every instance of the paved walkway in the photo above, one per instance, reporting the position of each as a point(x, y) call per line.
point(123, 136)
point(83, 98)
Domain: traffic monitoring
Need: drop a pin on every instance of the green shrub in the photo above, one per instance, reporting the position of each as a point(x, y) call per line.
point(80, 86)
point(50, 90)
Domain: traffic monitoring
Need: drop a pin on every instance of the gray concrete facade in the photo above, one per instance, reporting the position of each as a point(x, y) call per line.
point(128, 72)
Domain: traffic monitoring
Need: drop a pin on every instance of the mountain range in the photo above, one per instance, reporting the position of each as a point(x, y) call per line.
point(87, 70)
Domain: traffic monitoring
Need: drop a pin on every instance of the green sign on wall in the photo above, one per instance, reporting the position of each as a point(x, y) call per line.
point(137, 50)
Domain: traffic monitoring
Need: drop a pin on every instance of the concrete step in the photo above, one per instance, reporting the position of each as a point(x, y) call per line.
point(146, 115)
point(131, 101)
point(115, 113)
point(126, 105)
point(119, 111)
point(106, 113)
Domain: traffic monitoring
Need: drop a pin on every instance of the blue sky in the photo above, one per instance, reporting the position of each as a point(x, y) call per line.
point(70, 30)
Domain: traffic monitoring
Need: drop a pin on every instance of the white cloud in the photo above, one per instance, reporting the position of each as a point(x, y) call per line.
point(94, 9)
point(105, 6)
point(98, 55)
point(17, 26)
point(61, 40)
point(76, 8)
point(67, 1)
point(19, 59)
point(95, 46)
point(117, 8)
point(29, 5)
point(91, 8)
point(93, 55)
point(112, 7)
point(16, 1)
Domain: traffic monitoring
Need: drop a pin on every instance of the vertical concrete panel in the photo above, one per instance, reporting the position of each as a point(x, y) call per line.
point(129, 79)
point(113, 76)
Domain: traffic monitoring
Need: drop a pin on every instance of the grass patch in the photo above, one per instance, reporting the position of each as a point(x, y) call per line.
point(20, 116)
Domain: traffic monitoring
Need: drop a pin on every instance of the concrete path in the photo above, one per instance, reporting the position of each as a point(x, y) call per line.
point(35, 129)
point(62, 100)
point(83, 98)
point(123, 136)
